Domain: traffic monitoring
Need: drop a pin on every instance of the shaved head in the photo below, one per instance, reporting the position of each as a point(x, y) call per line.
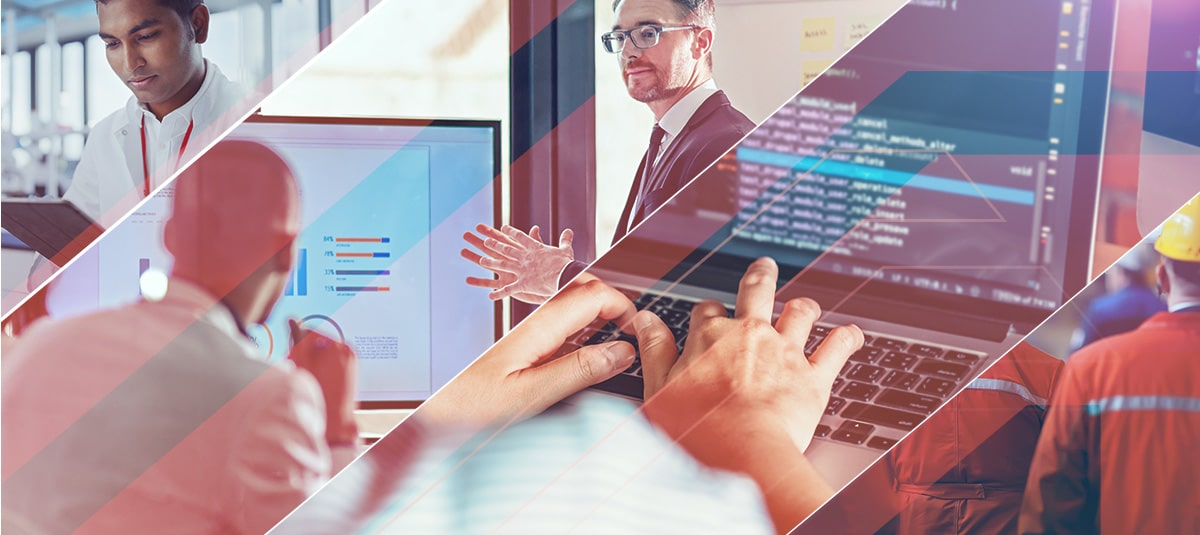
point(235, 217)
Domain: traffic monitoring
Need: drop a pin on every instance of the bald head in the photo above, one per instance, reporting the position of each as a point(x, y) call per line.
point(234, 218)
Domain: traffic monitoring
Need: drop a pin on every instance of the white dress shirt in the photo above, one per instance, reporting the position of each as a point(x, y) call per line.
point(672, 123)
point(678, 116)
point(156, 417)
point(109, 180)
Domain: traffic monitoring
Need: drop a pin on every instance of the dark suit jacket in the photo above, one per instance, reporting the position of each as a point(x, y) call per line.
point(714, 129)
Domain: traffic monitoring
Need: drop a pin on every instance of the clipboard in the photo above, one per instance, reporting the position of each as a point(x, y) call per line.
point(55, 228)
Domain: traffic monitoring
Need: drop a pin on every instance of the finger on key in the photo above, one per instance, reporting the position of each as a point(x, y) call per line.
point(657, 346)
point(756, 292)
point(706, 310)
point(797, 319)
point(836, 349)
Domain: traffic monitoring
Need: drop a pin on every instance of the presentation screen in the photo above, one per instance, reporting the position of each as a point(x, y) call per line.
point(384, 203)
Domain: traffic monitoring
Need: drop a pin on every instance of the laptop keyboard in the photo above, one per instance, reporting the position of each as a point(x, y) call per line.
point(885, 389)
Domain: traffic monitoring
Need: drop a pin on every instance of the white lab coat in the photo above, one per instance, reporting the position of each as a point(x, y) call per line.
point(109, 179)
point(156, 417)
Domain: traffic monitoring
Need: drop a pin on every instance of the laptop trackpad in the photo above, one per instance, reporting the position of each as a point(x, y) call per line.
point(839, 464)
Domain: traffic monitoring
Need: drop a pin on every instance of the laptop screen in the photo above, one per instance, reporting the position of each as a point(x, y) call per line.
point(384, 203)
point(959, 167)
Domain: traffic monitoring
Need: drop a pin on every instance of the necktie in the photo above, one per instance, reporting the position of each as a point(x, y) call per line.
point(656, 137)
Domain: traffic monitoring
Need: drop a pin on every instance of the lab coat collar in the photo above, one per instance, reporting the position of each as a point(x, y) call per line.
point(678, 116)
point(129, 123)
point(135, 111)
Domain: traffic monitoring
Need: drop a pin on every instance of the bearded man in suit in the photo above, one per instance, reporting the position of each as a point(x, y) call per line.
point(665, 50)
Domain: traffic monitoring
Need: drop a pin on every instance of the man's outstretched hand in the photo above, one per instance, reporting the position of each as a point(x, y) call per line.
point(526, 269)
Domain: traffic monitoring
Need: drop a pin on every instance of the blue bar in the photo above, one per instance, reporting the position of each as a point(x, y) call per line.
point(362, 272)
point(381, 255)
point(885, 176)
point(385, 240)
point(302, 273)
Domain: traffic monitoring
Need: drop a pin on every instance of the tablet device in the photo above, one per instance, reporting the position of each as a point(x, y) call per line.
point(55, 228)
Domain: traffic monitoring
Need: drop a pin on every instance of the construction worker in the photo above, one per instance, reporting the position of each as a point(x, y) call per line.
point(964, 469)
point(1118, 452)
point(1129, 300)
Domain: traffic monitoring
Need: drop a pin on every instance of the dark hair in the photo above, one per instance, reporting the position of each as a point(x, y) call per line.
point(183, 7)
point(702, 13)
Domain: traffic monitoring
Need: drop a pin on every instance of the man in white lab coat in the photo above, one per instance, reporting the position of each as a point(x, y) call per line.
point(160, 416)
point(180, 103)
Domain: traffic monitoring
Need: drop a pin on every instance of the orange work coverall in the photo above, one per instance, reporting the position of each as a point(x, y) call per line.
point(1121, 448)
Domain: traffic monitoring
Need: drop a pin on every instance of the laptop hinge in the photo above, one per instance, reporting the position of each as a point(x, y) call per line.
point(913, 315)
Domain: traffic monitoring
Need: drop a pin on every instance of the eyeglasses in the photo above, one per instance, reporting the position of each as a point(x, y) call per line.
point(642, 37)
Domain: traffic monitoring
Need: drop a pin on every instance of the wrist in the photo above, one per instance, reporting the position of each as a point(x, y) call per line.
point(790, 484)
point(341, 429)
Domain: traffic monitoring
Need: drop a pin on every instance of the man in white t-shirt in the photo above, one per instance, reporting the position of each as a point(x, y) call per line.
point(180, 103)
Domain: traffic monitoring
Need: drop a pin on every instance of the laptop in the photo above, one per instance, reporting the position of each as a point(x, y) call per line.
point(944, 203)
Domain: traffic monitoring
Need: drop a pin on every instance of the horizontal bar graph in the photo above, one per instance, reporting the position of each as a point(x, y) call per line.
point(363, 255)
point(362, 240)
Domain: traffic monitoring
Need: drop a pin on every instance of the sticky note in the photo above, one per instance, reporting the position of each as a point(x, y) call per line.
point(813, 68)
point(858, 27)
point(1068, 8)
point(817, 34)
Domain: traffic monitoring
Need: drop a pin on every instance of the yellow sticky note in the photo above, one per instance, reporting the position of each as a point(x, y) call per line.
point(813, 68)
point(858, 27)
point(817, 34)
point(1068, 8)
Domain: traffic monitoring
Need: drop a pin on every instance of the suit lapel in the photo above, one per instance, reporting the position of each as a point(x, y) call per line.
point(627, 213)
point(660, 175)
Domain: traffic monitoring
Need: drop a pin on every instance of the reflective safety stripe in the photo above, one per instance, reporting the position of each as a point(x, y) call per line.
point(1143, 403)
point(1016, 389)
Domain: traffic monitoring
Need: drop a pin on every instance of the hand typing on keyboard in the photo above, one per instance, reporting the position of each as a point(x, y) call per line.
point(525, 373)
point(743, 396)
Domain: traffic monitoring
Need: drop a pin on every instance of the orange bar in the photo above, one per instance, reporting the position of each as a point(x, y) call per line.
point(358, 240)
point(355, 255)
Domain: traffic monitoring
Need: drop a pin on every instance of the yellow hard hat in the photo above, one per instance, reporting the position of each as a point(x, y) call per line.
point(1180, 237)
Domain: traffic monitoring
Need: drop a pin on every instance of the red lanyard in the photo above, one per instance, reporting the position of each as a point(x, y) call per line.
point(146, 162)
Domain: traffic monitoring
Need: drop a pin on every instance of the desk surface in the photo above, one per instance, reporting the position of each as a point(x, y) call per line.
point(373, 424)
